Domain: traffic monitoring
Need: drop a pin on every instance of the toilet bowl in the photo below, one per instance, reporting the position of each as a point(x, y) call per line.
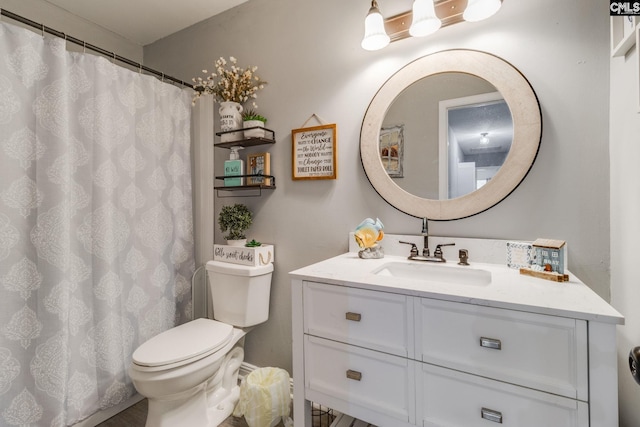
point(189, 373)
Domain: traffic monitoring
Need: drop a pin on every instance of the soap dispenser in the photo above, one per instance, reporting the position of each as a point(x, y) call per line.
point(234, 167)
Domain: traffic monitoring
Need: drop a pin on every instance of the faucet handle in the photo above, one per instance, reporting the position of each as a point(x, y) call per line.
point(414, 248)
point(438, 251)
point(463, 254)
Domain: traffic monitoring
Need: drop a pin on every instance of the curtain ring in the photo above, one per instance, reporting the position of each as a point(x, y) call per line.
point(139, 68)
point(42, 30)
point(114, 57)
point(84, 46)
point(162, 77)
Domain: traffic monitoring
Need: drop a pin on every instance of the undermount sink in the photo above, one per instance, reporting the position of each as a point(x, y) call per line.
point(435, 273)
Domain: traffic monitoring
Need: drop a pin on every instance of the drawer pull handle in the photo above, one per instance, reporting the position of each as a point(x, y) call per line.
point(491, 415)
point(353, 316)
point(490, 343)
point(354, 375)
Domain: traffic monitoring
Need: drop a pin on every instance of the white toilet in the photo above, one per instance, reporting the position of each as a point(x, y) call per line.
point(190, 373)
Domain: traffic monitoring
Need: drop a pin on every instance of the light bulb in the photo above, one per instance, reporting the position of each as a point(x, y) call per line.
point(477, 10)
point(484, 139)
point(375, 36)
point(425, 21)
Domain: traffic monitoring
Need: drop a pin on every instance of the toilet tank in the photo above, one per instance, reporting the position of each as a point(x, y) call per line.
point(240, 293)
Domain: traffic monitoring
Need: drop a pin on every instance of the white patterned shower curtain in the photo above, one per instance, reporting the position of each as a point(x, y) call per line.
point(96, 229)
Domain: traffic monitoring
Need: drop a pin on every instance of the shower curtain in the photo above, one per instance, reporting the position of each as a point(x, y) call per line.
point(96, 229)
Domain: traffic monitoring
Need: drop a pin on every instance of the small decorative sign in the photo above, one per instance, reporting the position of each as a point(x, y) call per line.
point(519, 255)
point(255, 257)
point(314, 152)
point(549, 254)
point(259, 164)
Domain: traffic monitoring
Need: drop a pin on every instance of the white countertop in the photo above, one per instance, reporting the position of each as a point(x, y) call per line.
point(508, 288)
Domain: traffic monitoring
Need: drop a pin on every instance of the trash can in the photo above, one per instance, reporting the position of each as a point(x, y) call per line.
point(265, 399)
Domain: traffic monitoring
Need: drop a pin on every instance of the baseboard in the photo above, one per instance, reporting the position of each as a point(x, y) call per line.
point(105, 414)
point(246, 369)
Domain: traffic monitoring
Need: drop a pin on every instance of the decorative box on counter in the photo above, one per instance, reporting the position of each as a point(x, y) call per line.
point(550, 254)
point(255, 256)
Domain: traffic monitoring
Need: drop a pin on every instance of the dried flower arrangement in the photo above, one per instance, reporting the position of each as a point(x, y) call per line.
point(229, 84)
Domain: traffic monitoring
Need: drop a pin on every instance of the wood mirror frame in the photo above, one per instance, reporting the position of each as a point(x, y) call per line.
point(527, 131)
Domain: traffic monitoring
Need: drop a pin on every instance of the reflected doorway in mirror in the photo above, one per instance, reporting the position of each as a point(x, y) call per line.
point(468, 158)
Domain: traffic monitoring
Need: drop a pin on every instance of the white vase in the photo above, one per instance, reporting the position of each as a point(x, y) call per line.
point(240, 242)
point(230, 119)
point(254, 133)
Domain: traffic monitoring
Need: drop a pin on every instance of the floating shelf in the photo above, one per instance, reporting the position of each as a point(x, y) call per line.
point(254, 189)
point(247, 142)
point(247, 187)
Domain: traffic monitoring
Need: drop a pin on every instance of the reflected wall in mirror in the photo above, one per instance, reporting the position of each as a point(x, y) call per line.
point(477, 99)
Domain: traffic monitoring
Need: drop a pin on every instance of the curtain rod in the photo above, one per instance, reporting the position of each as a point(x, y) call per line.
point(43, 28)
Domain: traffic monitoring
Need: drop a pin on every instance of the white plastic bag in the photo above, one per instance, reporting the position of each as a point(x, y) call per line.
point(265, 398)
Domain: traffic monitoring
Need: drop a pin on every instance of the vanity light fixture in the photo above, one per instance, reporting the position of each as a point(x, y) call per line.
point(425, 18)
point(424, 21)
point(484, 139)
point(477, 10)
point(375, 36)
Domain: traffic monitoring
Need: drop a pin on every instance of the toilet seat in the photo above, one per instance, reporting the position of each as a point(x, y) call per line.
point(183, 344)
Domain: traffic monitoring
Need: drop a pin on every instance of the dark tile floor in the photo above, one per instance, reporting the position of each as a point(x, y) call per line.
point(136, 416)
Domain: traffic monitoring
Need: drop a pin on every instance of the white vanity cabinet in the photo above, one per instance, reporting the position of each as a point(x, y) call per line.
point(398, 353)
point(488, 364)
point(357, 349)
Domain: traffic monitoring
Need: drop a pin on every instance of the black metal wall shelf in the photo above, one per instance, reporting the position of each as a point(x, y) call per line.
point(270, 138)
point(254, 189)
point(246, 187)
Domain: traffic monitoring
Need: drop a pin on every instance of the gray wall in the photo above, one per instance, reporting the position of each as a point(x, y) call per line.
point(625, 226)
point(310, 54)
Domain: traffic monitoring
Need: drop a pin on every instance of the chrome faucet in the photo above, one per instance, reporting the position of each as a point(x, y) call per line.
point(437, 253)
point(425, 233)
point(426, 255)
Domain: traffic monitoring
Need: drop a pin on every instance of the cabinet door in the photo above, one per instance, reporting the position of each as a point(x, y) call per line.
point(367, 384)
point(547, 353)
point(450, 398)
point(377, 320)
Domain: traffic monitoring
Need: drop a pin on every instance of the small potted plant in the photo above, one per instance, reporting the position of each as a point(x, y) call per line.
point(235, 219)
point(251, 119)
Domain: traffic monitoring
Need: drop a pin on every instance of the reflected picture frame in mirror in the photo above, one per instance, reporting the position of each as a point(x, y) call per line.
point(392, 150)
point(527, 131)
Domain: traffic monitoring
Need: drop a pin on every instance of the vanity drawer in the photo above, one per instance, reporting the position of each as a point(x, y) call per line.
point(377, 320)
point(450, 398)
point(352, 377)
point(547, 353)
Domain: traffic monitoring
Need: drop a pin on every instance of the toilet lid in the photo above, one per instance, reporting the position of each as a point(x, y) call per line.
point(187, 341)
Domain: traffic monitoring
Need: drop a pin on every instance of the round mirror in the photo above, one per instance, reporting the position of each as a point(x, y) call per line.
point(450, 135)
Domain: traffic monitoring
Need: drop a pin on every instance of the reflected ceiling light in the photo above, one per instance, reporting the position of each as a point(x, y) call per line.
point(484, 139)
point(424, 21)
point(375, 35)
point(425, 18)
point(477, 10)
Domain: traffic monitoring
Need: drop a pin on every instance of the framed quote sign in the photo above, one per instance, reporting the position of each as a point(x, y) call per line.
point(314, 152)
